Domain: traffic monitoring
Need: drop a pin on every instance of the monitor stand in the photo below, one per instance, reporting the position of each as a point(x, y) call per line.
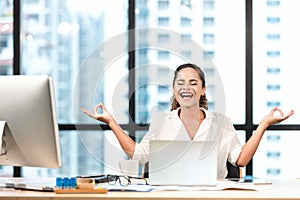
point(10, 153)
point(2, 138)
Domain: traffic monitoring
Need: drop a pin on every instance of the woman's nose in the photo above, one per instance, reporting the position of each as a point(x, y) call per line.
point(186, 86)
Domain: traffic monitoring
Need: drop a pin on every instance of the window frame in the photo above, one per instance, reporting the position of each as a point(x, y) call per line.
point(131, 127)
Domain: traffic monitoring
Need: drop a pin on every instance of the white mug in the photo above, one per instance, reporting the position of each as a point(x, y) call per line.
point(129, 168)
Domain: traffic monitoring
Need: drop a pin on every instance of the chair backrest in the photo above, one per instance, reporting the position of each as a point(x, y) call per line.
point(146, 170)
point(233, 171)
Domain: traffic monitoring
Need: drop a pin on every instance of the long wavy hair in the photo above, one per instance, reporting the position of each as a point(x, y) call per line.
point(203, 100)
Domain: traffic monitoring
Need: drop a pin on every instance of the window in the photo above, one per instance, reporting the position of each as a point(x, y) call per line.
point(273, 37)
point(208, 4)
point(274, 61)
point(163, 55)
point(208, 21)
point(273, 3)
point(186, 37)
point(273, 70)
point(209, 55)
point(187, 54)
point(186, 21)
point(163, 21)
point(273, 20)
point(163, 4)
point(208, 38)
point(273, 155)
point(73, 45)
point(163, 38)
point(273, 54)
point(6, 37)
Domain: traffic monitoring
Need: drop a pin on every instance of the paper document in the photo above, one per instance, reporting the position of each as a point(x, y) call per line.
point(221, 185)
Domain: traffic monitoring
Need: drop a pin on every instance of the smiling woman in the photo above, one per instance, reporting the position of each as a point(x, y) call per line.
point(188, 89)
point(190, 120)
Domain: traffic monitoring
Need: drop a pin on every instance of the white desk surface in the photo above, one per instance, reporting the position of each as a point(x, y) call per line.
point(279, 189)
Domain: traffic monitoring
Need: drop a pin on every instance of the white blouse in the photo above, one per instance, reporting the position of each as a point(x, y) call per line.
point(215, 127)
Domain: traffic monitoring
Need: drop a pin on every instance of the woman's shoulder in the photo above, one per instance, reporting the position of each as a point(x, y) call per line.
point(161, 120)
point(164, 115)
point(215, 115)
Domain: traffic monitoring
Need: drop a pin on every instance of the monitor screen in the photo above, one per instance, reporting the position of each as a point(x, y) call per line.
point(29, 133)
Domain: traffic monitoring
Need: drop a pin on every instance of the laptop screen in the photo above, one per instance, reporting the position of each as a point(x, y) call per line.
point(183, 163)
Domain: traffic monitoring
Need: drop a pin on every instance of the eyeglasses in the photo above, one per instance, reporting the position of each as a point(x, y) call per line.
point(123, 180)
point(113, 179)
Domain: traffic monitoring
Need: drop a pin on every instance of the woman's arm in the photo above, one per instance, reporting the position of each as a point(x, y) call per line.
point(125, 141)
point(251, 145)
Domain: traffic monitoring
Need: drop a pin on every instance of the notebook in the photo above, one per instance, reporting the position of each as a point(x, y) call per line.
point(183, 163)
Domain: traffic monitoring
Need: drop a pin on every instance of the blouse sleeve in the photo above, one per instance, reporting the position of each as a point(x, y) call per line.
point(141, 151)
point(235, 146)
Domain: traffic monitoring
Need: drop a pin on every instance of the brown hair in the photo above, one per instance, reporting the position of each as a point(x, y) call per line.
point(203, 100)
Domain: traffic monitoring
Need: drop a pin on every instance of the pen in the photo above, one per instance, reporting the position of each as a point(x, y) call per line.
point(91, 176)
point(100, 178)
point(24, 187)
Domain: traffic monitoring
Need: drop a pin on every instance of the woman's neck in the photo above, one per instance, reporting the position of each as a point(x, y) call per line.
point(192, 119)
point(191, 113)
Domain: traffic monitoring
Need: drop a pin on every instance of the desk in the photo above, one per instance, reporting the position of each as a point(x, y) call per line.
point(280, 189)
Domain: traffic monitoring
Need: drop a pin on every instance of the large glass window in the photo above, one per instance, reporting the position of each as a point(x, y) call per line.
point(274, 56)
point(196, 32)
point(6, 50)
point(275, 78)
point(6, 37)
point(274, 159)
point(83, 45)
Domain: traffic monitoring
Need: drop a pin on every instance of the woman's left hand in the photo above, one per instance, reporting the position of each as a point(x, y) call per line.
point(276, 116)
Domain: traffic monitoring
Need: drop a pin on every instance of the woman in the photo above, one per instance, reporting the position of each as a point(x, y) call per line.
point(189, 119)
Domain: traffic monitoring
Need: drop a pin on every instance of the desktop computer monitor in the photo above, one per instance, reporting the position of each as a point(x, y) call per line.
point(29, 134)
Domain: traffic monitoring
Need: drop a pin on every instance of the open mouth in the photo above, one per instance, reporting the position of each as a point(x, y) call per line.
point(186, 95)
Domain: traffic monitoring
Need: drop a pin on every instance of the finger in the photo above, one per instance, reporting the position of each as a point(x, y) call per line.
point(87, 112)
point(286, 116)
point(289, 114)
point(280, 112)
point(96, 108)
point(102, 107)
point(84, 110)
point(273, 110)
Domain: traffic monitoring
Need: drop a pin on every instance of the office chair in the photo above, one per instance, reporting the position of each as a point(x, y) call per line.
point(233, 171)
point(146, 170)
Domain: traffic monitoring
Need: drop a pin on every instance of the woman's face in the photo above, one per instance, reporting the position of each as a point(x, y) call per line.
point(188, 88)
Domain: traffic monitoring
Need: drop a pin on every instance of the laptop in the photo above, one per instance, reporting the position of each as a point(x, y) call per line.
point(183, 163)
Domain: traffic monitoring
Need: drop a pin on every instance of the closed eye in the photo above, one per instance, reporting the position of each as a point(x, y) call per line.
point(194, 82)
point(180, 82)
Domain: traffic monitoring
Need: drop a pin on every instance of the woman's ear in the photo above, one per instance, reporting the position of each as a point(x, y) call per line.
point(203, 91)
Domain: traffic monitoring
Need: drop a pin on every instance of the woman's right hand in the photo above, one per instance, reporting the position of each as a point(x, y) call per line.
point(105, 116)
point(125, 141)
